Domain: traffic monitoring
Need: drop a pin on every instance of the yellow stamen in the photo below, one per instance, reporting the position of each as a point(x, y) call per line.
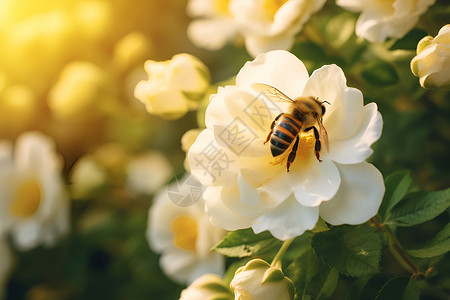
point(27, 199)
point(184, 229)
point(271, 7)
point(221, 7)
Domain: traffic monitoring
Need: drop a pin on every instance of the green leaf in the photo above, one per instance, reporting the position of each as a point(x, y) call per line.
point(439, 245)
point(194, 97)
point(351, 250)
point(379, 73)
point(311, 277)
point(245, 242)
point(401, 288)
point(418, 208)
point(397, 185)
point(365, 287)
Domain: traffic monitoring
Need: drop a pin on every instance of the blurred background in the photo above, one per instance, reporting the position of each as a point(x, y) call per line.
point(69, 69)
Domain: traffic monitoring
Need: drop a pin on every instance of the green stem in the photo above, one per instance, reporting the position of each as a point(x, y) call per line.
point(395, 249)
point(276, 262)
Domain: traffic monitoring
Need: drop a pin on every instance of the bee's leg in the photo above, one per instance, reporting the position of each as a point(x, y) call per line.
point(318, 144)
point(272, 126)
point(292, 154)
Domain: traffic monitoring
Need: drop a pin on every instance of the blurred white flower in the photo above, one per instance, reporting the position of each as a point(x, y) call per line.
point(258, 280)
point(383, 19)
point(208, 286)
point(271, 24)
point(432, 62)
point(86, 176)
point(77, 91)
point(34, 206)
point(174, 86)
point(148, 172)
point(183, 235)
point(212, 26)
point(5, 264)
point(245, 188)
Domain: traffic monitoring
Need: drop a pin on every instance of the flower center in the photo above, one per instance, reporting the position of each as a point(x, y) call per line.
point(184, 229)
point(270, 7)
point(27, 199)
point(221, 7)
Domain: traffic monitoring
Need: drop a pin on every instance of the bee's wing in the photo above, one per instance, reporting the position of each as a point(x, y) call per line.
point(271, 92)
point(323, 134)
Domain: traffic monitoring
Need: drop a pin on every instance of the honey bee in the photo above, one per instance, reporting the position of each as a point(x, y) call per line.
point(303, 115)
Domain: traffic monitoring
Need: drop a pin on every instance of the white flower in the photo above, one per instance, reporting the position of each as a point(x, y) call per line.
point(258, 280)
point(432, 62)
point(208, 286)
point(5, 264)
point(382, 19)
point(148, 172)
point(183, 235)
point(34, 206)
point(213, 26)
point(271, 24)
point(174, 86)
point(245, 188)
point(86, 176)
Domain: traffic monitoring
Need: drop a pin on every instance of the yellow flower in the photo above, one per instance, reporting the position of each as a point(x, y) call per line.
point(174, 86)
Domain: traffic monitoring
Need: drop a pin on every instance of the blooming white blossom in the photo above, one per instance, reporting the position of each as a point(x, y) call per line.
point(247, 188)
point(264, 24)
point(271, 24)
point(183, 235)
point(147, 172)
point(212, 26)
point(383, 19)
point(208, 286)
point(34, 206)
point(258, 280)
point(174, 86)
point(432, 62)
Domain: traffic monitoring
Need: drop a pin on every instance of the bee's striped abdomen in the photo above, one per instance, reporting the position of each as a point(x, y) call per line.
point(283, 134)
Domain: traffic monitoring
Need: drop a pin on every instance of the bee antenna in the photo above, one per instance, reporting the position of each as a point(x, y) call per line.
point(325, 102)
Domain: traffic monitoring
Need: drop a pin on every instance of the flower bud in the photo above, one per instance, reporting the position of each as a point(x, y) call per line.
point(208, 286)
point(258, 280)
point(174, 86)
point(432, 62)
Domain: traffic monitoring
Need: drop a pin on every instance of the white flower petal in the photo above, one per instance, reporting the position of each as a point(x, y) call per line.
point(357, 148)
point(352, 128)
point(209, 162)
point(259, 44)
point(319, 182)
point(211, 34)
point(277, 68)
point(220, 215)
point(288, 220)
point(358, 197)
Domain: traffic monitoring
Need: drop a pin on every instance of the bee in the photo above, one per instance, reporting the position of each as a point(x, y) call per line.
point(303, 115)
